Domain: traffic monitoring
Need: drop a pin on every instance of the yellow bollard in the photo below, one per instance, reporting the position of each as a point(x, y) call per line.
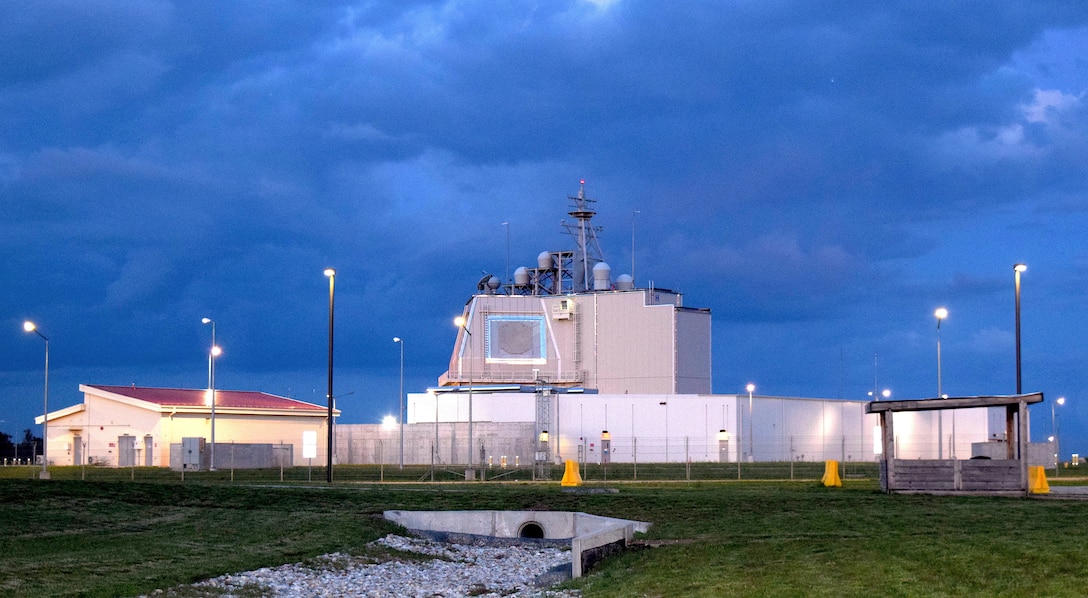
point(831, 474)
point(571, 477)
point(1037, 480)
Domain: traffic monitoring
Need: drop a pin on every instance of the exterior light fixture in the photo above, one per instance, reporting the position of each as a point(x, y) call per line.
point(400, 399)
point(331, 274)
point(1017, 269)
point(29, 326)
point(214, 352)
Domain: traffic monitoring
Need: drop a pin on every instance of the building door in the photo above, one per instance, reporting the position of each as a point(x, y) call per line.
point(77, 449)
point(149, 446)
point(126, 451)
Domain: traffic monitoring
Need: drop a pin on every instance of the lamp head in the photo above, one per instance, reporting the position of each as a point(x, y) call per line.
point(459, 321)
point(205, 320)
point(750, 388)
point(1020, 267)
point(1061, 400)
point(217, 351)
point(941, 313)
point(29, 326)
point(396, 339)
point(330, 272)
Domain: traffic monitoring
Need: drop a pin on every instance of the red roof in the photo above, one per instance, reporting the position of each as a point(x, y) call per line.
point(187, 397)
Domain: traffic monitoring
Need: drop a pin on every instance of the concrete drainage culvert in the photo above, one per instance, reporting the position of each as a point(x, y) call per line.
point(590, 537)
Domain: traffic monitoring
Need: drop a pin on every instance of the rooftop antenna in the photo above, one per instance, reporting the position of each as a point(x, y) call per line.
point(584, 234)
point(507, 279)
point(633, 214)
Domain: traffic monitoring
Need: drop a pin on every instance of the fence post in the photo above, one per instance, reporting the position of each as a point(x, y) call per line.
point(791, 457)
point(687, 458)
point(843, 460)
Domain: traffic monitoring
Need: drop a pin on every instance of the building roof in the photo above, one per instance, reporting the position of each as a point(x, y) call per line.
point(953, 403)
point(224, 399)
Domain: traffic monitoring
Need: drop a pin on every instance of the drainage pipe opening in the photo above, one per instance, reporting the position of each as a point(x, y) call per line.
point(531, 529)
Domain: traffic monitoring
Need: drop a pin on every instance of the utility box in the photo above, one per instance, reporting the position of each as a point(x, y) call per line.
point(192, 453)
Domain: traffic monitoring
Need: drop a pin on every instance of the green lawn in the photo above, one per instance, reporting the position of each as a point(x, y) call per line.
point(116, 538)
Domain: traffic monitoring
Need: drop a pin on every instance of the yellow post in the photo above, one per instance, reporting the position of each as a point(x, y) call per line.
point(831, 474)
point(571, 477)
point(1037, 480)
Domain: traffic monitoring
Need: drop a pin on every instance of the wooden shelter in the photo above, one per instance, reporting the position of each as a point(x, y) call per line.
point(957, 476)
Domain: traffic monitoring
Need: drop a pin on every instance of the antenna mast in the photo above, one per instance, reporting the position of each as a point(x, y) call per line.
point(585, 235)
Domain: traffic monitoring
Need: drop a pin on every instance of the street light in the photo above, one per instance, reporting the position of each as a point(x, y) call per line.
point(400, 399)
point(751, 452)
point(941, 314)
point(434, 448)
point(1054, 430)
point(44, 475)
point(462, 323)
point(1017, 269)
point(214, 352)
point(331, 274)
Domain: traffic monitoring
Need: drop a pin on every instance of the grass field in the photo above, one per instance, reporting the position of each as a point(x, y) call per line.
point(780, 538)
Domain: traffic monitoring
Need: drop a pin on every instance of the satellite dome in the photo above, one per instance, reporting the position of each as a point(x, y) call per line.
point(624, 282)
point(521, 276)
point(494, 283)
point(602, 276)
point(544, 261)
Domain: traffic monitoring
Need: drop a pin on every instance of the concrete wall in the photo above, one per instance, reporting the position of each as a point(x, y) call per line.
point(238, 456)
point(628, 346)
point(592, 537)
point(677, 428)
point(693, 352)
point(377, 444)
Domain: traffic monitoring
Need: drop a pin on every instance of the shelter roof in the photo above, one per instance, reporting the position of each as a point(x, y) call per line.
point(953, 403)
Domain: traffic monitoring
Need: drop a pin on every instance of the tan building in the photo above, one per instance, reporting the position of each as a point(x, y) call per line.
point(615, 341)
point(121, 426)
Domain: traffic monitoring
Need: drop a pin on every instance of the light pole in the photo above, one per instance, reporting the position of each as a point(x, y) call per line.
point(434, 449)
point(1054, 430)
point(400, 399)
point(633, 214)
point(214, 352)
point(751, 444)
point(941, 314)
point(44, 475)
point(462, 323)
point(331, 274)
point(506, 281)
point(1017, 269)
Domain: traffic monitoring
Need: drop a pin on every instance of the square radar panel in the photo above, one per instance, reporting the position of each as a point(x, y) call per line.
point(516, 339)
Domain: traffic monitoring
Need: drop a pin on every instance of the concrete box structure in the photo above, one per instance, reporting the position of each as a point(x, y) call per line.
point(640, 340)
point(591, 537)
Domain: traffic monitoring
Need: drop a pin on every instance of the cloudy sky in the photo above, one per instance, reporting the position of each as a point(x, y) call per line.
point(821, 175)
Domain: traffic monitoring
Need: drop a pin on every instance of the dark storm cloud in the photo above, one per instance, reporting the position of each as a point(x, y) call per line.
point(821, 176)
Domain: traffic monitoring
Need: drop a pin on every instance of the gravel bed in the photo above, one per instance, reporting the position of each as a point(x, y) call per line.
point(456, 571)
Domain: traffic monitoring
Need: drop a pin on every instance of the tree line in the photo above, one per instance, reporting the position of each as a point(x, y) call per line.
point(27, 448)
